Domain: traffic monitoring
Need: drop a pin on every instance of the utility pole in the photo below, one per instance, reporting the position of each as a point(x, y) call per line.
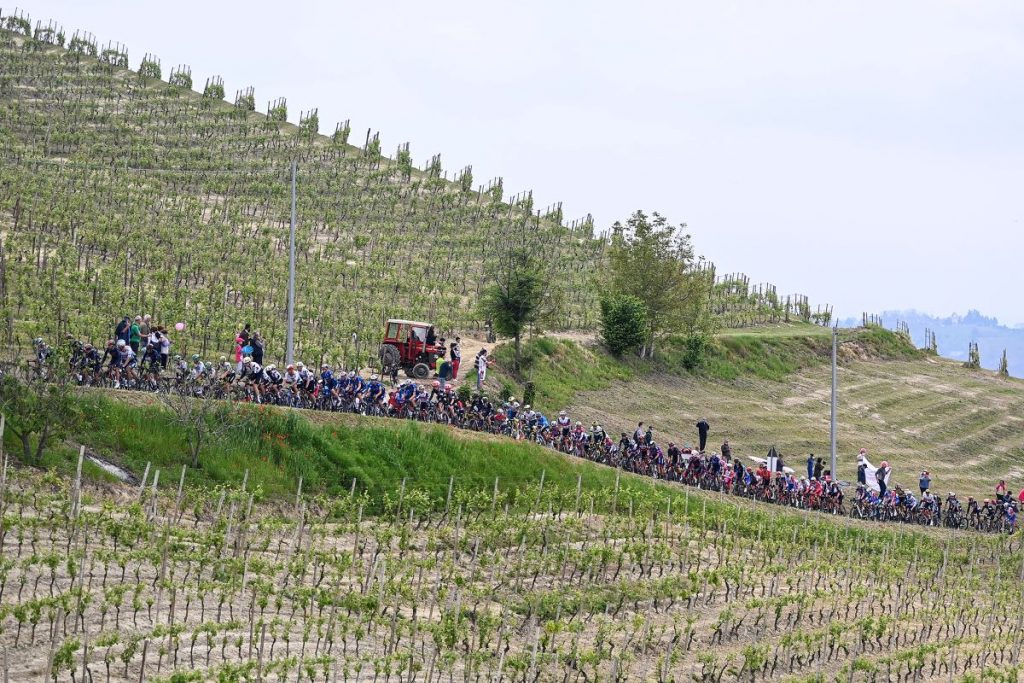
point(835, 384)
point(290, 351)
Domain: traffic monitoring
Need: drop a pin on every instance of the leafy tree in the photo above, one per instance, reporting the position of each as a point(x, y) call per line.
point(39, 406)
point(523, 295)
point(1004, 366)
point(623, 322)
point(652, 260)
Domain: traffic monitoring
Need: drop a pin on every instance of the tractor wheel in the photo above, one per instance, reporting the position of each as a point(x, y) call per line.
point(389, 357)
point(420, 371)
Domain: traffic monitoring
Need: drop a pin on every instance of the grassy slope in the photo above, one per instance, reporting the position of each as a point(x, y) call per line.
point(327, 451)
point(771, 386)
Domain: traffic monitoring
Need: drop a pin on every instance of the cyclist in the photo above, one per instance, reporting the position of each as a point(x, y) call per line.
point(374, 394)
point(198, 370)
point(127, 361)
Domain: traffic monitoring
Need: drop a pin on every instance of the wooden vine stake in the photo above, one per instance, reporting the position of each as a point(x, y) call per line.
point(76, 493)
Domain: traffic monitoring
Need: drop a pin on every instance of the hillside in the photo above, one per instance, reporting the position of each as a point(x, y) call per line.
point(616, 581)
point(772, 387)
point(121, 193)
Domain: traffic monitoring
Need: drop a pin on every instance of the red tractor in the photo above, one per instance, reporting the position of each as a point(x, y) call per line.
point(411, 346)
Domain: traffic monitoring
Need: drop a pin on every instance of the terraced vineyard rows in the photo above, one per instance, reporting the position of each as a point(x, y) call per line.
point(967, 428)
point(631, 583)
point(120, 192)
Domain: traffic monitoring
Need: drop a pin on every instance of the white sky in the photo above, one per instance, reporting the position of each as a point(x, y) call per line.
point(868, 154)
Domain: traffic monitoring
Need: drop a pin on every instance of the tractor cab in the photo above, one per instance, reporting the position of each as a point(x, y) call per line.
point(410, 345)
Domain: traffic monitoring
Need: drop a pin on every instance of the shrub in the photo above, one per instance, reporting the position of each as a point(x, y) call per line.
point(623, 322)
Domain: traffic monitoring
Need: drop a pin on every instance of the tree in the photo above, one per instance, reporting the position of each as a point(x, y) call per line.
point(623, 322)
point(40, 406)
point(652, 260)
point(1004, 366)
point(201, 417)
point(523, 294)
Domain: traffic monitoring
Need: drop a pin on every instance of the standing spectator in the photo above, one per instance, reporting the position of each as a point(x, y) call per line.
point(925, 482)
point(456, 356)
point(239, 343)
point(1020, 498)
point(819, 467)
point(1001, 491)
point(165, 347)
point(862, 473)
point(649, 435)
point(702, 431)
point(257, 348)
point(444, 370)
point(882, 477)
point(638, 434)
point(123, 330)
point(810, 466)
point(726, 450)
point(135, 334)
point(147, 325)
point(245, 334)
point(481, 369)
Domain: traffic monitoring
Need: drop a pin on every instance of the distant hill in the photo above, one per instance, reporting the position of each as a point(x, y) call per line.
point(954, 332)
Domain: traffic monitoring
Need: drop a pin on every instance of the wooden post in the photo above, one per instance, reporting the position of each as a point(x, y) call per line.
point(298, 496)
point(142, 486)
point(76, 493)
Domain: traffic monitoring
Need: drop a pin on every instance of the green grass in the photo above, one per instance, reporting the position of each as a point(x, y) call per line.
point(279, 446)
point(559, 368)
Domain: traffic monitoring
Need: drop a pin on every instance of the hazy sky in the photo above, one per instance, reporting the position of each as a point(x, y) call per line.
point(867, 154)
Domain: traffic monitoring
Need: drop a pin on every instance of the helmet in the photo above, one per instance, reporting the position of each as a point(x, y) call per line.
point(195, 356)
point(299, 365)
point(952, 494)
point(247, 359)
point(579, 424)
point(88, 346)
point(39, 340)
point(511, 399)
point(271, 367)
point(121, 344)
point(325, 366)
point(373, 377)
point(177, 356)
point(352, 374)
point(223, 359)
point(561, 413)
point(291, 367)
point(436, 383)
point(885, 463)
point(448, 387)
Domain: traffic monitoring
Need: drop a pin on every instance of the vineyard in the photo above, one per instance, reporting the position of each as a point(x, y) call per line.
point(630, 581)
point(124, 193)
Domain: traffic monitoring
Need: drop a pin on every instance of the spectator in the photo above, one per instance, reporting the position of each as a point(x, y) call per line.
point(925, 482)
point(810, 466)
point(135, 334)
point(456, 356)
point(123, 330)
point(1020, 498)
point(862, 473)
point(239, 343)
point(649, 435)
point(444, 370)
point(481, 369)
point(702, 431)
point(245, 333)
point(638, 433)
point(726, 450)
point(147, 325)
point(882, 477)
point(257, 348)
point(1001, 491)
point(819, 468)
point(165, 347)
